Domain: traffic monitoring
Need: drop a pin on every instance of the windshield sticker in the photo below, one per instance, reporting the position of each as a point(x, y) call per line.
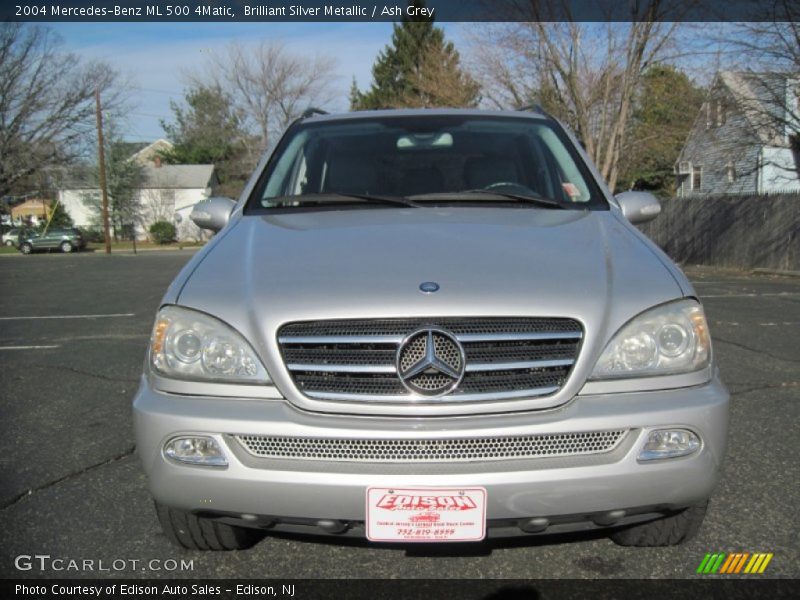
point(571, 190)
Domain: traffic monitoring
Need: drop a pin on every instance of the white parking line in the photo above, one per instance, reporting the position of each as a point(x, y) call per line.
point(27, 347)
point(109, 316)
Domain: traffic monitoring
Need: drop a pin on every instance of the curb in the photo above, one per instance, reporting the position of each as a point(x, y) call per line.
point(776, 272)
point(113, 252)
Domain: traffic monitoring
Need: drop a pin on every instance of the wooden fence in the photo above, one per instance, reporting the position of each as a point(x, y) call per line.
point(744, 232)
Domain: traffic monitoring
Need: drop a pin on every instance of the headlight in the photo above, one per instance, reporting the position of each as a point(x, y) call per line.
point(666, 340)
point(187, 344)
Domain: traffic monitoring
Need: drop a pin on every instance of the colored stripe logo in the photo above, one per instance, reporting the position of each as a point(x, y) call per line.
point(734, 563)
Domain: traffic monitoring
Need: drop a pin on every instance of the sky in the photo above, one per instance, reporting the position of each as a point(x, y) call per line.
point(157, 55)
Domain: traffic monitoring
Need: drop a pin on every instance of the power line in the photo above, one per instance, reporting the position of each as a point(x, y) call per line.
point(144, 114)
point(173, 93)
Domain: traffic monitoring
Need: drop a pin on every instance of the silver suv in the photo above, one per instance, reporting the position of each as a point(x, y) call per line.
point(429, 326)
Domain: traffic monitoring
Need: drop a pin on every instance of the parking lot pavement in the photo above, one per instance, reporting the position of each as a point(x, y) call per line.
point(72, 486)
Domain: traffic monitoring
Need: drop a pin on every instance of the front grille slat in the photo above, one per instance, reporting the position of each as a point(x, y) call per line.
point(510, 366)
point(509, 337)
point(432, 450)
point(330, 368)
point(504, 358)
point(396, 339)
point(340, 339)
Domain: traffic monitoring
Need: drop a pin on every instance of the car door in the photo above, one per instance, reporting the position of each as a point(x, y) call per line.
point(49, 239)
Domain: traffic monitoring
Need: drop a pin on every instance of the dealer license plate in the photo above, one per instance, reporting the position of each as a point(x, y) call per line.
point(426, 514)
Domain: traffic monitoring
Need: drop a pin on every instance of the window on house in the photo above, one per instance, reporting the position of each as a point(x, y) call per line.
point(697, 178)
point(722, 113)
point(709, 119)
point(731, 170)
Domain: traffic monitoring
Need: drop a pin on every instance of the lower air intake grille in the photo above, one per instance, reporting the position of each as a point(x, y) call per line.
point(433, 450)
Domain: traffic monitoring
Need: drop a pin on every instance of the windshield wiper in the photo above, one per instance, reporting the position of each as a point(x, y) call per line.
point(329, 198)
point(489, 195)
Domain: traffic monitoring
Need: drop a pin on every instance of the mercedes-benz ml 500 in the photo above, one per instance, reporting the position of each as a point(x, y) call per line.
point(429, 326)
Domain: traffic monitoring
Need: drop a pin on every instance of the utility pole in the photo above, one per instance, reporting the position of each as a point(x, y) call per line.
point(101, 158)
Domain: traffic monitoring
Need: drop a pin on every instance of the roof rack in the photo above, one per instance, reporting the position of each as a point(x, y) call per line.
point(310, 112)
point(537, 108)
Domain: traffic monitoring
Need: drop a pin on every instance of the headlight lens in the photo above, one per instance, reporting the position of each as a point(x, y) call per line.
point(187, 344)
point(665, 340)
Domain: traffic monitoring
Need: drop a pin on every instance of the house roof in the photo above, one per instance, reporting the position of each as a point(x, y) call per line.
point(149, 152)
point(130, 148)
point(34, 206)
point(178, 176)
point(762, 98)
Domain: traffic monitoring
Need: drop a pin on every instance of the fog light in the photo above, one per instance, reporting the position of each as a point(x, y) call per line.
point(196, 450)
point(669, 443)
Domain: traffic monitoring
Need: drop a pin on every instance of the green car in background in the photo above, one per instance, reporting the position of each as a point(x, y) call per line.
point(65, 240)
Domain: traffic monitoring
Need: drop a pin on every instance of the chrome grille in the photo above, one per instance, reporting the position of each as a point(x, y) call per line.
point(356, 360)
point(432, 450)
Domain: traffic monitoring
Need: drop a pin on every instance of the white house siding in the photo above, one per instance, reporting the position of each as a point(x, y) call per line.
point(156, 205)
point(73, 203)
point(779, 171)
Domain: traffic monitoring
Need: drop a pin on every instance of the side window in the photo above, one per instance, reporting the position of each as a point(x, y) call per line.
point(730, 169)
point(697, 178)
point(573, 187)
point(299, 179)
point(284, 177)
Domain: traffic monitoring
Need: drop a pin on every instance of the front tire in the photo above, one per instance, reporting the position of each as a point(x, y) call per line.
point(25, 248)
point(197, 533)
point(9, 243)
point(668, 531)
point(66, 247)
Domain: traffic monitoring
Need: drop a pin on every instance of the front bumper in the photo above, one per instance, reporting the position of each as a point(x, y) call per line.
point(573, 489)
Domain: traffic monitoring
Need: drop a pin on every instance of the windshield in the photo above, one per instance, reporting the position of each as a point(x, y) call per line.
point(426, 159)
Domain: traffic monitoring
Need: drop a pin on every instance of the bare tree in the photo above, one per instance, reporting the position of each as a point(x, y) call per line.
point(270, 85)
point(46, 102)
point(766, 55)
point(587, 74)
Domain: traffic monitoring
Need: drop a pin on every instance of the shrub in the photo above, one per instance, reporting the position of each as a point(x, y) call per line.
point(94, 234)
point(163, 232)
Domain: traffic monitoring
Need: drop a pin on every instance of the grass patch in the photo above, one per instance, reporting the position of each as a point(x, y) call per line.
point(128, 246)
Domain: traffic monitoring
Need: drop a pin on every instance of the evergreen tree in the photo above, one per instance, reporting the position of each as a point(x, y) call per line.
point(124, 179)
point(667, 104)
point(60, 218)
point(354, 95)
point(418, 68)
point(208, 130)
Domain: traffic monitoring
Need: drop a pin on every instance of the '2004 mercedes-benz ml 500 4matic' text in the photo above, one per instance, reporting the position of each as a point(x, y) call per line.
point(429, 326)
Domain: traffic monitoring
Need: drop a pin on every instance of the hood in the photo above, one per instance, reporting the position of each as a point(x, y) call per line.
point(368, 263)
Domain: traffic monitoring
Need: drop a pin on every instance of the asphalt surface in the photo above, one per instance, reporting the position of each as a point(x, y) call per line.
point(71, 486)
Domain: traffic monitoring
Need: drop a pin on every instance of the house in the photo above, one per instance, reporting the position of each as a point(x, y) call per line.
point(31, 211)
point(166, 193)
point(745, 139)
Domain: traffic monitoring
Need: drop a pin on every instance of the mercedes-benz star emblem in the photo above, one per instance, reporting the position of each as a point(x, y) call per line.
point(428, 287)
point(430, 362)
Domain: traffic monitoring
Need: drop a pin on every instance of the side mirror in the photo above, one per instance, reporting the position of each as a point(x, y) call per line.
point(639, 207)
point(213, 213)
